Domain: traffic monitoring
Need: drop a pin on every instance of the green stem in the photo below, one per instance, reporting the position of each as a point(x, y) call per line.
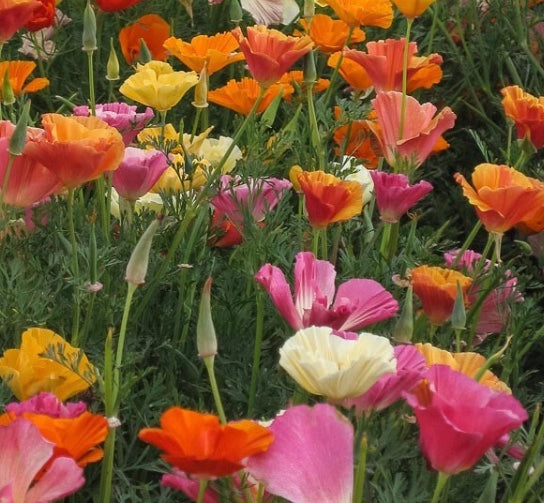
point(390, 239)
point(315, 242)
point(324, 245)
point(256, 352)
point(195, 123)
point(208, 362)
point(75, 268)
point(361, 470)
point(405, 76)
point(201, 490)
point(92, 99)
point(440, 483)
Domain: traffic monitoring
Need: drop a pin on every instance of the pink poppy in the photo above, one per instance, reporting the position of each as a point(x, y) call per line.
point(358, 302)
point(179, 481)
point(48, 404)
point(460, 419)
point(394, 194)
point(316, 439)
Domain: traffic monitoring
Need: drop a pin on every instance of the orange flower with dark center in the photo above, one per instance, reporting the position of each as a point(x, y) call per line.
point(329, 199)
point(363, 12)
point(77, 149)
point(216, 50)
point(527, 111)
point(436, 287)
point(353, 73)
point(502, 196)
point(14, 15)
point(269, 53)
point(240, 96)
point(198, 445)
point(329, 35)
point(43, 16)
point(18, 73)
point(152, 29)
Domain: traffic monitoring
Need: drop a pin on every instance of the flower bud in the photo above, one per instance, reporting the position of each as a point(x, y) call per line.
point(309, 10)
point(404, 329)
point(206, 340)
point(89, 29)
point(310, 73)
point(18, 138)
point(113, 64)
point(235, 11)
point(139, 260)
point(269, 115)
point(145, 55)
point(294, 171)
point(8, 98)
point(459, 313)
point(201, 89)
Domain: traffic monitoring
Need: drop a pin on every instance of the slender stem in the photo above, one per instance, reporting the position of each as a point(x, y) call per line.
point(201, 490)
point(75, 268)
point(256, 352)
point(468, 241)
point(92, 98)
point(195, 123)
point(315, 242)
point(106, 476)
point(208, 362)
point(509, 142)
point(497, 238)
point(405, 76)
point(360, 472)
point(324, 245)
point(440, 483)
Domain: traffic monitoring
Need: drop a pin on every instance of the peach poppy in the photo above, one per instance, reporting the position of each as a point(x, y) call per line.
point(240, 96)
point(436, 287)
point(15, 14)
point(269, 53)
point(329, 199)
point(468, 363)
point(383, 62)
point(116, 5)
point(43, 16)
point(152, 29)
point(329, 35)
point(77, 149)
point(353, 73)
point(216, 50)
point(363, 12)
point(502, 196)
point(198, 445)
point(18, 72)
point(527, 111)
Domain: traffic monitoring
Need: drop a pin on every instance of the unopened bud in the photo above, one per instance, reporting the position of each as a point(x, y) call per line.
point(89, 29)
point(8, 98)
point(404, 329)
point(145, 56)
point(139, 260)
point(235, 11)
point(309, 10)
point(18, 138)
point(310, 73)
point(459, 314)
point(206, 340)
point(112, 67)
point(269, 115)
point(294, 171)
point(201, 89)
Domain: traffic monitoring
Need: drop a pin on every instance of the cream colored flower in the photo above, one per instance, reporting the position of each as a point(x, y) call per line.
point(325, 364)
point(358, 173)
point(212, 150)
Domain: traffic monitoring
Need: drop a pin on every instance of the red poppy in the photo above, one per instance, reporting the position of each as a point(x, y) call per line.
point(43, 17)
point(152, 29)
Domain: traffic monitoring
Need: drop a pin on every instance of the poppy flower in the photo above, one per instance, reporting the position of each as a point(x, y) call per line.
point(217, 51)
point(152, 29)
point(223, 232)
point(269, 53)
point(317, 438)
point(25, 453)
point(157, 85)
point(412, 8)
point(199, 445)
point(363, 12)
point(394, 194)
point(240, 96)
point(18, 73)
point(420, 133)
point(502, 196)
point(47, 403)
point(329, 35)
point(353, 73)
point(77, 149)
point(460, 420)
point(36, 366)
point(43, 16)
point(116, 5)
point(527, 111)
point(356, 139)
point(383, 62)
point(357, 303)
point(15, 14)
point(436, 287)
point(329, 199)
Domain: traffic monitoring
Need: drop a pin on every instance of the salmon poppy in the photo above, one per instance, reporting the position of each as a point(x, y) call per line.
point(269, 53)
point(152, 29)
point(330, 35)
point(363, 12)
point(18, 73)
point(197, 444)
point(329, 199)
point(116, 5)
point(383, 62)
point(15, 14)
point(240, 96)
point(436, 287)
point(412, 8)
point(217, 51)
point(502, 196)
point(353, 73)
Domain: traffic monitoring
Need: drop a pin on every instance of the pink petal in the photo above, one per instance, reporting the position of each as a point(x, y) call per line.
point(181, 482)
point(62, 478)
point(48, 404)
point(314, 279)
point(311, 459)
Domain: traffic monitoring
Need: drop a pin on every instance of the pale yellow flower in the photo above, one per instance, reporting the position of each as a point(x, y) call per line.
point(325, 364)
point(157, 85)
point(46, 362)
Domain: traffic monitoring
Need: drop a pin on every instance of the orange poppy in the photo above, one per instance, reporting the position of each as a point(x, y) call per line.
point(502, 196)
point(152, 29)
point(18, 73)
point(298, 77)
point(329, 199)
point(329, 35)
point(527, 111)
point(383, 62)
point(77, 149)
point(413, 8)
point(198, 445)
point(269, 53)
point(216, 50)
point(468, 363)
point(436, 287)
point(363, 12)
point(353, 73)
point(360, 143)
point(14, 15)
point(240, 96)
